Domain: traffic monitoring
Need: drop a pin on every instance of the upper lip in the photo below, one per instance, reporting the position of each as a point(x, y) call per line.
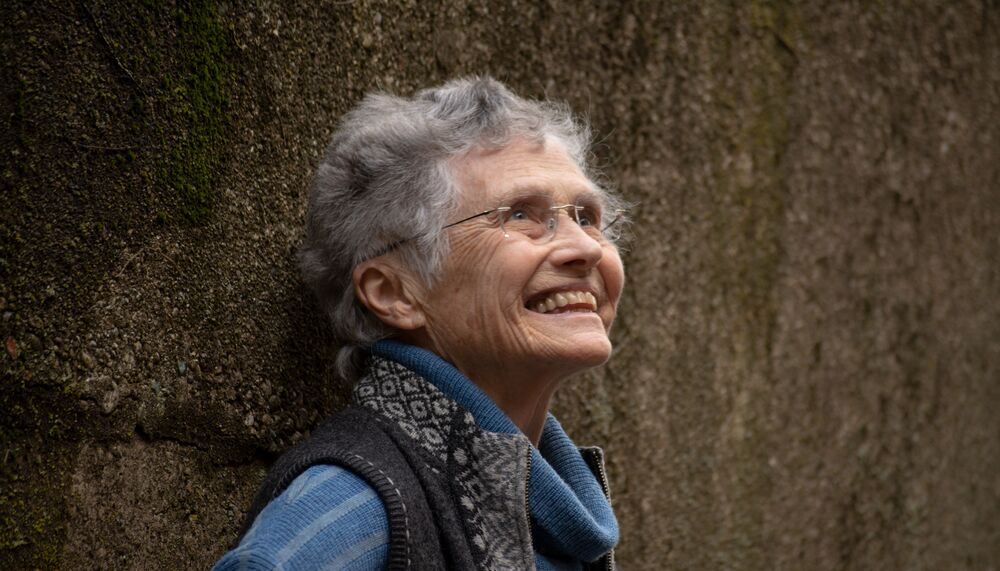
point(542, 294)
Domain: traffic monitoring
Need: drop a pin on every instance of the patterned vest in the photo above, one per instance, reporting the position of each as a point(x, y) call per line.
point(456, 496)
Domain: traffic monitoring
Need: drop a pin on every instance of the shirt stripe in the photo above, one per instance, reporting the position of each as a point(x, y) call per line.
point(320, 524)
point(358, 550)
point(311, 483)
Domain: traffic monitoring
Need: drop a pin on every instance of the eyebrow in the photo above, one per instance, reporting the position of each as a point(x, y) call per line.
point(592, 194)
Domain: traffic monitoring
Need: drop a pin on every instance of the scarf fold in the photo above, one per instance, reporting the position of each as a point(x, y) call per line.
point(570, 514)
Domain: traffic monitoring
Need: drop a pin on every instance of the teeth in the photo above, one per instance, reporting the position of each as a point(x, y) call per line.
point(565, 298)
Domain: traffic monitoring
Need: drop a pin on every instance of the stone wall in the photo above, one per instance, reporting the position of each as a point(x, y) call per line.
point(807, 364)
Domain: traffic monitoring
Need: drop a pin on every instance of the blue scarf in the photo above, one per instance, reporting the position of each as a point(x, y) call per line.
point(570, 514)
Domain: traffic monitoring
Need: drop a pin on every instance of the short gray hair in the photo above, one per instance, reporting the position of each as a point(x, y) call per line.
point(385, 177)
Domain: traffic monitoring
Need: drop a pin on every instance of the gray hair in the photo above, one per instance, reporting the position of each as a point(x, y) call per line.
point(385, 177)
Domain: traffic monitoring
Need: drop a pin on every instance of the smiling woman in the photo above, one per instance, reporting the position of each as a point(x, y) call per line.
point(467, 262)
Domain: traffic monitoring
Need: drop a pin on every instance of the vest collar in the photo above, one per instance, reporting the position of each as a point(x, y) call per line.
point(570, 511)
point(486, 473)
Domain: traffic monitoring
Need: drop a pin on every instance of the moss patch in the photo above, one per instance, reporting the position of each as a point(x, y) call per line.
point(118, 118)
point(198, 100)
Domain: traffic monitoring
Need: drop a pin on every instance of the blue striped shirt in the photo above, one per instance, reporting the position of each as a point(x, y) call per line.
point(328, 518)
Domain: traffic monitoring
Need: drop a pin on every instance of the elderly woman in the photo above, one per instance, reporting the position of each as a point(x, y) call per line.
point(466, 260)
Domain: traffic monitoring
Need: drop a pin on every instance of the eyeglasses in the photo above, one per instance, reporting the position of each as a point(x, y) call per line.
point(536, 217)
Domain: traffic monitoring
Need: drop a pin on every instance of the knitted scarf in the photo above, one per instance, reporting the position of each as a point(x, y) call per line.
point(570, 514)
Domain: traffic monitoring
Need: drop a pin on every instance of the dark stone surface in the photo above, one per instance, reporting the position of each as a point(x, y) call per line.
point(807, 364)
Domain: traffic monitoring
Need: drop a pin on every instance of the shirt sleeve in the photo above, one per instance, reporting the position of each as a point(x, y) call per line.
point(328, 518)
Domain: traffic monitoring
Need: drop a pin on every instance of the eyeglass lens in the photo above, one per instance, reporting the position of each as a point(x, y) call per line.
point(538, 218)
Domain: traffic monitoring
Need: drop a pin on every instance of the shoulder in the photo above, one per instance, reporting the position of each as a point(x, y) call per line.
point(328, 517)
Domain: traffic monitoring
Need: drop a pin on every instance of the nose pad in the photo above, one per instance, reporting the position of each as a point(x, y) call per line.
point(553, 224)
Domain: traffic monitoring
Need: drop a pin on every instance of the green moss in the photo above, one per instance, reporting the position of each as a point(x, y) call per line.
point(137, 97)
point(751, 205)
point(197, 98)
point(32, 513)
point(748, 212)
point(38, 444)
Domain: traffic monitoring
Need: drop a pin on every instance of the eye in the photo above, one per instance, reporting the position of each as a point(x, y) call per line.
point(587, 216)
point(526, 211)
point(519, 213)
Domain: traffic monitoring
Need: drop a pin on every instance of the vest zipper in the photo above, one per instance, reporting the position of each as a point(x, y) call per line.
point(527, 482)
point(609, 559)
point(527, 507)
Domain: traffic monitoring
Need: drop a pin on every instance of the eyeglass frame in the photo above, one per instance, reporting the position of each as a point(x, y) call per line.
point(619, 214)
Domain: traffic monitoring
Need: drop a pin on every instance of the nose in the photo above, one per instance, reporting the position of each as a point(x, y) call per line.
point(572, 247)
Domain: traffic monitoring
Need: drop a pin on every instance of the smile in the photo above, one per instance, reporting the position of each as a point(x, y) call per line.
point(564, 301)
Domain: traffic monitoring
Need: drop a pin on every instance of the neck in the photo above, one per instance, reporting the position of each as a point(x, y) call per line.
point(526, 402)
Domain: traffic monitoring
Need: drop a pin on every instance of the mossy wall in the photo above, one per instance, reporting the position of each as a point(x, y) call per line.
point(807, 365)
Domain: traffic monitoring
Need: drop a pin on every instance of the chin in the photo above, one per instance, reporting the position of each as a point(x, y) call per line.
point(570, 342)
point(582, 352)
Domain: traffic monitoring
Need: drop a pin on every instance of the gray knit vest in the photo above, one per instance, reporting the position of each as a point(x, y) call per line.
point(455, 495)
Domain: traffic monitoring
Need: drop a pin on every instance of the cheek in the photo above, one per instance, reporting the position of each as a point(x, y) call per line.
point(475, 284)
point(613, 273)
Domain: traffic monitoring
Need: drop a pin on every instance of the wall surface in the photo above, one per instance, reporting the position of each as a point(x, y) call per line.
point(807, 368)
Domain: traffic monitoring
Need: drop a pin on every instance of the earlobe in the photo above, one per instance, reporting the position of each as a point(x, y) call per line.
point(388, 295)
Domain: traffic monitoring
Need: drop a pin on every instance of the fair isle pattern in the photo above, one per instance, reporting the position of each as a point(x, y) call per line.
point(490, 469)
point(496, 478)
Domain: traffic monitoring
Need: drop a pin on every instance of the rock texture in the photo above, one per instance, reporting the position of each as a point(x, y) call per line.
point(808, 355)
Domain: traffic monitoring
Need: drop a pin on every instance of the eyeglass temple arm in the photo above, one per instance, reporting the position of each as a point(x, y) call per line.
point(483, 213)
point(618, 216)
point(392, 246)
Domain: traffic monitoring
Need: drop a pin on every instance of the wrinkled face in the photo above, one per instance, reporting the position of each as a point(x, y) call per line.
point(512, 304)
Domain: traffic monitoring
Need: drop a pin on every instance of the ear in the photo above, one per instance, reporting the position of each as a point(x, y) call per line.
point(389, 293)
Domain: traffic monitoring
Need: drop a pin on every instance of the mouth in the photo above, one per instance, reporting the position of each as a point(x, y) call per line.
point(563, 301)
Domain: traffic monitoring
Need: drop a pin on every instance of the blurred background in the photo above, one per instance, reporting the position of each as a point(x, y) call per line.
point(807, 367)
